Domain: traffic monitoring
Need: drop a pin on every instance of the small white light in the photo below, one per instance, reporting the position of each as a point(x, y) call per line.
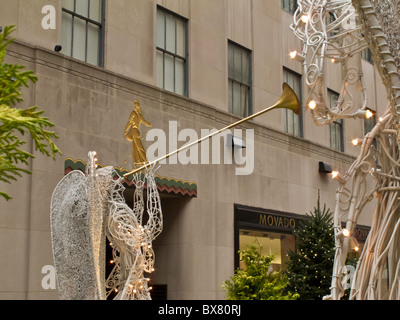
point(337, 176)
point(357, 141)
point(346, 233)
point(294, 55)
point(304, 18)
point(312, 104)
point(369, 114)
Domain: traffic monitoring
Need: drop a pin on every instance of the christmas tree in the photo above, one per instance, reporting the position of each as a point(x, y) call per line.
point(310, 266)
point(255, 281)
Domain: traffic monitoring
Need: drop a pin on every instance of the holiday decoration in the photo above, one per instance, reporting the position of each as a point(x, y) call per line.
point(335, 31)
point(88, 208)
point(310, 266)
point(132, 134)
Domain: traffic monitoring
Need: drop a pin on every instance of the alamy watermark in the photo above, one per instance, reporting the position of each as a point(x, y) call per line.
point(49, 20)
point(227, 147)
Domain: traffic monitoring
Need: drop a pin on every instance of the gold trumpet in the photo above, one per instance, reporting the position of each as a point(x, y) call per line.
point(288, 100)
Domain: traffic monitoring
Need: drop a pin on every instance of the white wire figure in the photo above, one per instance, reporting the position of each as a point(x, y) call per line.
point(132, 239)
point(329, 34)
point(323, 28)
point(87, 208)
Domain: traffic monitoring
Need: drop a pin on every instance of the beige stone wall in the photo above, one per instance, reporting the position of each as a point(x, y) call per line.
point(261, 26)
point(90, 107)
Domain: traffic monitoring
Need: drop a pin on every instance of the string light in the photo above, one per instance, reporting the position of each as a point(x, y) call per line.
point(312, 104)
point(304, 18)
point(294, 55)
point(357, 141)
point(369, 114)
point(346, 232)
point(337, 176)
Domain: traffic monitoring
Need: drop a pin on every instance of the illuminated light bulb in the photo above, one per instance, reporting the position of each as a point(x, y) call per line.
point(134, 291)
point(130, 286)
point(312, 104)
point(333, 60)
point(304, 18)
point(150, 288)
point(346, 233)
point(380, 119)
point(294, 55)
point(111, 261)
point(116, 290)
point(337, 176)
point(152, 269)
point(356, 249)
point(369, 114)
point(357, 141)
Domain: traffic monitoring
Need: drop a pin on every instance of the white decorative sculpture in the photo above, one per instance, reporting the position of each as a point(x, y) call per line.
point(337, 30)
point(87, 208)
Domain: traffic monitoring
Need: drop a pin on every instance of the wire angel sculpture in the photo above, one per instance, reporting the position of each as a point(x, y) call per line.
point(329, 34)
point(323, 28)
point(87, 208)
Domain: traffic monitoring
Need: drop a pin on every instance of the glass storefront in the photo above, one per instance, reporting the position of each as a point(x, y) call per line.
point(273, 230)
point(274, 243)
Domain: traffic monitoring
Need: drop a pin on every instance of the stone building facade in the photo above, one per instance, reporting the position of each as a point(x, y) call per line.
point(192, 64)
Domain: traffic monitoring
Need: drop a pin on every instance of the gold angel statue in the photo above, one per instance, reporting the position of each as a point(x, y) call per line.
point(132, 133)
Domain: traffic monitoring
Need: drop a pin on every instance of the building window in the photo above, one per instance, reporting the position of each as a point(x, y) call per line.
point(336, 127)
point(293, 122)
point(289, 5)
point(366, 54)
point(171, 43)
point(83, 30)
point(239, 80)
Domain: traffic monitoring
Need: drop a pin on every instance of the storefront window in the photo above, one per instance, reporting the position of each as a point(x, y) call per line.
point(273, 230)
point(274, 243)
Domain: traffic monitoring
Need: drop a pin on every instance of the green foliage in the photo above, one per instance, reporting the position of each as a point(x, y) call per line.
point(310, 266)
point(15, 121)
point(255, 282)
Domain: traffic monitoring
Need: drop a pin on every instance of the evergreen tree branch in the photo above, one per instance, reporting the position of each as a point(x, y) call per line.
point(24, 121)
